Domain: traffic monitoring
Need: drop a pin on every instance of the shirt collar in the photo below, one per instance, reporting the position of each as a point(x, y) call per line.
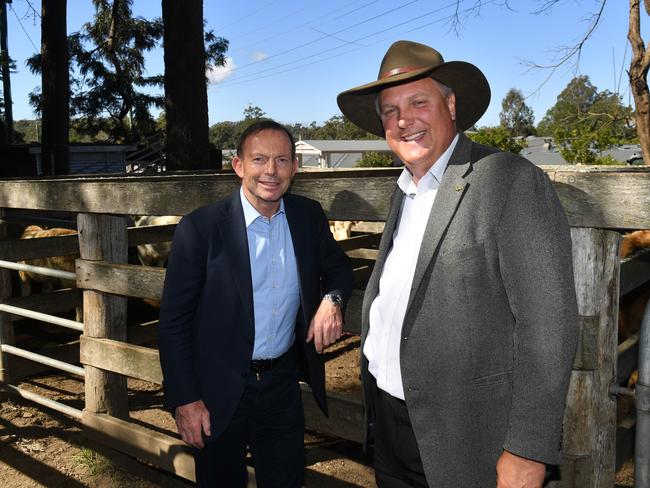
point(432, 178)
point(250, 213)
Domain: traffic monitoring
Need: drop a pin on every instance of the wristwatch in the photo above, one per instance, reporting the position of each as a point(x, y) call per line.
point(335, 298)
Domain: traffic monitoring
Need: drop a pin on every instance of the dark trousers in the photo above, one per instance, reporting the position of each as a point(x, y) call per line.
point(396, 454)
point(269, 423)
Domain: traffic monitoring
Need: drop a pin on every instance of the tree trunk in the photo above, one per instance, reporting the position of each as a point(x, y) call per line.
point(56, 88)
point(186, 98)
point(6, 79)
point(638, 74)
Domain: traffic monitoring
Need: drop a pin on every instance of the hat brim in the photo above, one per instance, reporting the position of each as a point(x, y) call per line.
point(466, 81)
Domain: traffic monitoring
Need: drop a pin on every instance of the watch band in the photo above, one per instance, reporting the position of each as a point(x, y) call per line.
point(335, 298)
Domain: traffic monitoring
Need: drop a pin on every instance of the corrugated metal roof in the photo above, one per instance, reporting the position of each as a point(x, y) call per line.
point(346, 146)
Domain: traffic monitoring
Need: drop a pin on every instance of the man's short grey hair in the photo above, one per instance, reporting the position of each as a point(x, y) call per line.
point(444, 89)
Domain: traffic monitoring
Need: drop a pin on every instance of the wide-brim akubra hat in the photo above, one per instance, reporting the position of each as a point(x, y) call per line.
point(407, 61)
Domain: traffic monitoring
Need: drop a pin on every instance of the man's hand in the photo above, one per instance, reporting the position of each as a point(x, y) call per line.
point(191, 419)
point(326, 326)
point(517, 472)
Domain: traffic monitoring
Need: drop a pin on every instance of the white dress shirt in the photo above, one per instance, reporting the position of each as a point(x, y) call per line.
point(382, 345)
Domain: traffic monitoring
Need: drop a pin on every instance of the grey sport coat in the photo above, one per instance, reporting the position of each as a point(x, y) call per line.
point(490, 328)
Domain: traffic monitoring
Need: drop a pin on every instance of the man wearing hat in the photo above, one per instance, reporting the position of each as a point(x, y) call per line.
point(469, 318)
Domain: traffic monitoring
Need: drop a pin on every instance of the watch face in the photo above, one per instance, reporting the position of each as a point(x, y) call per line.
point(334, 298)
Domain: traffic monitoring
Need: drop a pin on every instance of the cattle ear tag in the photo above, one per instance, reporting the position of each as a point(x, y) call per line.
point(459, 187)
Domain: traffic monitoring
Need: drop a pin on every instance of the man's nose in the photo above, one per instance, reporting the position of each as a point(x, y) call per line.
point(404, 119)
point(271, 167)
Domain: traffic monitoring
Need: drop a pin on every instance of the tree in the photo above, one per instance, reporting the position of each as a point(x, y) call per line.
point(55, 88)
point(186, 100)
point(516, 117)
point(584, 121)
point(639, 64)
point(340, 128)
point(253, 112)
point(107, 58)
point(375, 160)
point(498, 137)
point(5, 68)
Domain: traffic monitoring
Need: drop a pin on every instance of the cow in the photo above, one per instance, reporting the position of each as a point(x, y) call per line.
point(155, 254)
point(62, 263)
point(633, 304)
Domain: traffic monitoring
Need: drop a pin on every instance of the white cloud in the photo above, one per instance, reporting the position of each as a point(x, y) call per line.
point(259, 56)
point(220, 73)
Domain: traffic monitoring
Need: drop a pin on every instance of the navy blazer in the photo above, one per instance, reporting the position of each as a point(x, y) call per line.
point(207, 328)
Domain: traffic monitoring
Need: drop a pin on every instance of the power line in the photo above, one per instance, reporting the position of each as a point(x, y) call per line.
point(254, 76)
point(22, 26)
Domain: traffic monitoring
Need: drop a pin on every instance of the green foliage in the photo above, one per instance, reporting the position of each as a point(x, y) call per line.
point(375, 160)
point(516, 117)
point(606, 160)
point(111, 96)
point(498, 137)
point(585, 121)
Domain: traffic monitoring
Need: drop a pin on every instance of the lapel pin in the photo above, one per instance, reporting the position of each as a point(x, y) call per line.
point(459, 187)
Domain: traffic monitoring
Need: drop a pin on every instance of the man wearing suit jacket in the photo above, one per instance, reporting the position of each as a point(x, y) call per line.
point(469, 318)
point(254, 290)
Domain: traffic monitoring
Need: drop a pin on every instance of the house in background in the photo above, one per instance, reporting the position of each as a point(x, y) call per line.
point(543, 151)
point(337, 154)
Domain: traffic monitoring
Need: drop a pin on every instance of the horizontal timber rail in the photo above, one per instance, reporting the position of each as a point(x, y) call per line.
point(600, 197)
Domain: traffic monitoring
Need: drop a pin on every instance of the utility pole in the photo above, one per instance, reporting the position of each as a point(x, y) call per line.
point(6, 81)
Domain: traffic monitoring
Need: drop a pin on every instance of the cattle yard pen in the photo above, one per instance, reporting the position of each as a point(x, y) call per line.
point(597, 200)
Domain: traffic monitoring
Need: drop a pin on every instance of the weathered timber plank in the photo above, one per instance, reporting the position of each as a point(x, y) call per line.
point(614, 197)
point(143, 363)
point(44, 247)
point(104, 238)
point(345, 415)
point(590, 416)
point(121, 279)
point(150, 233)
point(363, 254)
point(359, 242)
point(164, 451)
point(6, 325)
point(119, 357)
point(52, 303)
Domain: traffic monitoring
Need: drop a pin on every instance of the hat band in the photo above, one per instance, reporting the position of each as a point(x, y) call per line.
point(399, 71)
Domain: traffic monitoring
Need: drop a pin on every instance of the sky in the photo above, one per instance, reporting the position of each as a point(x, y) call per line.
point(292, 57)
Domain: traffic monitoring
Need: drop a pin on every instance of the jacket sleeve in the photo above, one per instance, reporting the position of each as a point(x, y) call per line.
point(534, 246)
point(335, 266)
point(183, 285)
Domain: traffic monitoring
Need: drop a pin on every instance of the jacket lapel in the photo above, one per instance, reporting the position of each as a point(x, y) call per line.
point(452, 188)
point(233, 235)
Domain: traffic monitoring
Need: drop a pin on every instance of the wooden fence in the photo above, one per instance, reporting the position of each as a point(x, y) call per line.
point(596, 200)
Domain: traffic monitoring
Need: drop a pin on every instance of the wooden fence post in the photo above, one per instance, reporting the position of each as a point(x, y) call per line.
point(590, 417)
point(104, 238)
point(6, 324)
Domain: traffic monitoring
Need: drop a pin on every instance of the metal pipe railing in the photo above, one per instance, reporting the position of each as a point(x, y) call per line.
point(54, 273)
point(47, 361)
point(41, 400)
point(43, 317)
point(642, 403)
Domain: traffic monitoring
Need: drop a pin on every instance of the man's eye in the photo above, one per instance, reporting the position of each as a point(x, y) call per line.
point(388, 112)
point(420, 103)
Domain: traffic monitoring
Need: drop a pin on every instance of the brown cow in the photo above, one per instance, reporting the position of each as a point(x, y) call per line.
point(63, 263)
point(633, 304)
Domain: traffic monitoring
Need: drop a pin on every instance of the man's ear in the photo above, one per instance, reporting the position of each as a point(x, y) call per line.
point(295, 166)
point(451, 105)
point(237, 166)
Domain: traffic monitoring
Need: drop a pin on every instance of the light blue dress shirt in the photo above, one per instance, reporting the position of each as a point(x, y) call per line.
point(276, 292)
